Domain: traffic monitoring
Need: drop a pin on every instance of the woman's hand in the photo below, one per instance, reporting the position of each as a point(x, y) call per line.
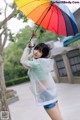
point(33, 33)
point(29, 44)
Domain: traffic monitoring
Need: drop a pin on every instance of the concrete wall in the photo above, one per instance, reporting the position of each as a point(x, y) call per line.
point(77, 17)
point(70, 78)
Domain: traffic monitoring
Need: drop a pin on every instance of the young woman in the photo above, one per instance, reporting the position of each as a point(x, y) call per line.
point(42, 83)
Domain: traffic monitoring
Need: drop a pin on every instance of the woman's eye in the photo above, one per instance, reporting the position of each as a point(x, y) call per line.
point(40, 51)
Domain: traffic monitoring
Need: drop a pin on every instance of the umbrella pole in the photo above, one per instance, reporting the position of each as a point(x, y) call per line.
point(41, 21)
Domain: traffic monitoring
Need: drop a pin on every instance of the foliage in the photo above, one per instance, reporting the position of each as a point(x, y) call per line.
point(17, 81)
point(20, 15)
point(12, 54)
point(12, 66)
point(11, 37)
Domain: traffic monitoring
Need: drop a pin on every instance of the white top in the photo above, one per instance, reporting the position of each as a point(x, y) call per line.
point(42, 83)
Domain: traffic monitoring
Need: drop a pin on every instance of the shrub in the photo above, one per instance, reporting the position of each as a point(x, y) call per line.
point(17, 81)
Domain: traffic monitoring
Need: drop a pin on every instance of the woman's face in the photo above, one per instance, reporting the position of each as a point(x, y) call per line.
point(37, 53)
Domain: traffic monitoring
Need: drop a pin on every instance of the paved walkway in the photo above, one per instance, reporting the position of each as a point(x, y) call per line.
point(26, 108)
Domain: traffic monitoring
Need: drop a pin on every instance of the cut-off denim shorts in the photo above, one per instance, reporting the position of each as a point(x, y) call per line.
point(48, 97)
point(49, 106)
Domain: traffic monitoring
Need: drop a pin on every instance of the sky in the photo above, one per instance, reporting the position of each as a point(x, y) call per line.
point(16, 25)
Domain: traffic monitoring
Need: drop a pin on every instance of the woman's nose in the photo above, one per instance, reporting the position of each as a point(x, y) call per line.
point(35, 52)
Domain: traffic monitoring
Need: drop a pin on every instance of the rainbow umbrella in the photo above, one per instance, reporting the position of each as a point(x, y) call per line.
point(52, 16)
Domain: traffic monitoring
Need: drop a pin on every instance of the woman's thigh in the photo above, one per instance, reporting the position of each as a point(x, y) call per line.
point(54, 113)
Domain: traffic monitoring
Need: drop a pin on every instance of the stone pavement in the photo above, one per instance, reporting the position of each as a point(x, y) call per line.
point(26, 108)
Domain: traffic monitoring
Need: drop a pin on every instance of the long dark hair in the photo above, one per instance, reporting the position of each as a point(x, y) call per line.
point(43, 48)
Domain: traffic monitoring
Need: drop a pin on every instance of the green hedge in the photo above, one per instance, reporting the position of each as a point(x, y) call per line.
point(17, 81)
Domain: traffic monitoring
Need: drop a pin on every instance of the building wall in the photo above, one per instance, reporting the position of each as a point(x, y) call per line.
point(67, 66)
point(77, 17)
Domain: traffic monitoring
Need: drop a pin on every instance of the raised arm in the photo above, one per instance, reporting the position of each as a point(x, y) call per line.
point(25, 58)
point(28, 53)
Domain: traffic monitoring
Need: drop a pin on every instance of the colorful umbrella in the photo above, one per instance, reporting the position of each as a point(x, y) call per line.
point(51, 16)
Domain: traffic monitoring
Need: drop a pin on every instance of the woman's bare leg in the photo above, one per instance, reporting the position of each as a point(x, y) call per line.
point(55, 113)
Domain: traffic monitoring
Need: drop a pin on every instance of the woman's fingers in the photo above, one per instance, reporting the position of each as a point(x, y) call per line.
point(29, 44)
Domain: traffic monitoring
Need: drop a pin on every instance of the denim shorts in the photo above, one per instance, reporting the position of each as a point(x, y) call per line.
point(49, 106)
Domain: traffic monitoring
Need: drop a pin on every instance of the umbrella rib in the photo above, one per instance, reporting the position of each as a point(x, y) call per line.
point(64, 21)
point(40, 23)
point(42, 20)
point(45, 14)
point(36, 8)
point(49, 21)
point(43, 17)
point(58, 20)
point(68, 23)
point(50, 17)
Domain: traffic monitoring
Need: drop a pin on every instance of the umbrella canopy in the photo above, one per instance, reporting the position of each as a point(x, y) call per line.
point(49, 15)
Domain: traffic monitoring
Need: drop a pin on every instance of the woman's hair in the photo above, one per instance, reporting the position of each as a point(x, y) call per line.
point(43, 48)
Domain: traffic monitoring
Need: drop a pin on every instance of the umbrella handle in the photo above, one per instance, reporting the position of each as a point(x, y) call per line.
point(30, 41)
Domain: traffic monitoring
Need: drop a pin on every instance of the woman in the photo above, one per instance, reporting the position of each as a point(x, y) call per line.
point(42, 83)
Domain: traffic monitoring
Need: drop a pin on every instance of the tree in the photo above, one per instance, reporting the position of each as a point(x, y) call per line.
point(4, 31)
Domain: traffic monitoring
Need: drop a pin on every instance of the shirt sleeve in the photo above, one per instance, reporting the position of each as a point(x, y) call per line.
point(25, 60)
point(50, 65)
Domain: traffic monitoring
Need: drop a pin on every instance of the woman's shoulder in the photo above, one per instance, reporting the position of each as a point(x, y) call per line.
point(47, 63)
point(45, 59)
